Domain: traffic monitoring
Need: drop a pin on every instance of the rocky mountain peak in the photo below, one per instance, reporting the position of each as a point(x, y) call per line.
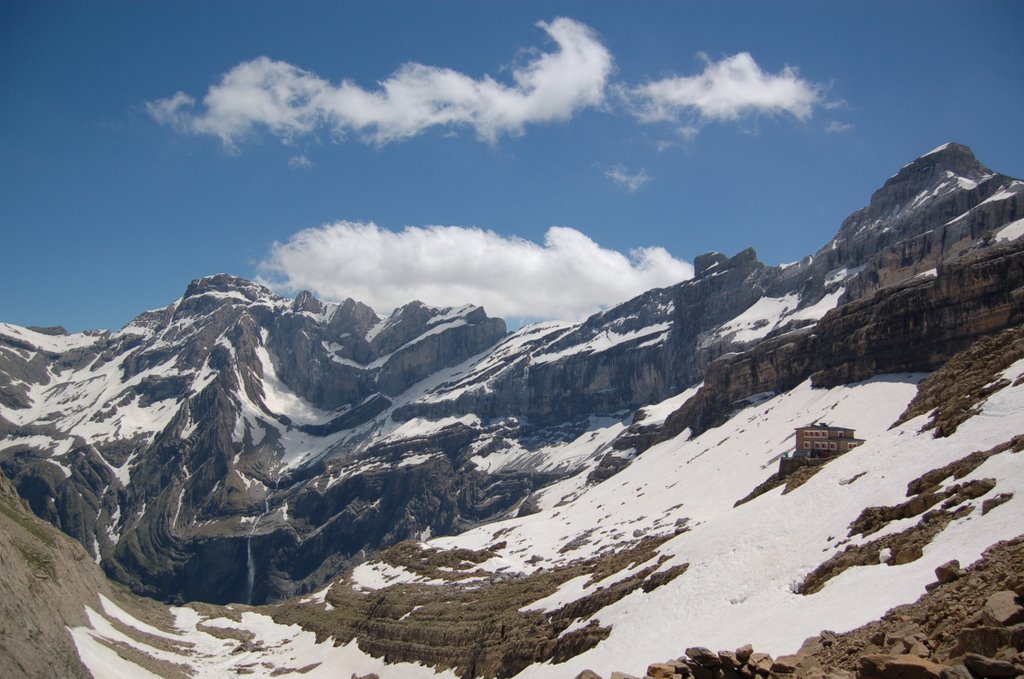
point(706, 262)
point(713, 262)
point(227, 284)
point(949, 161)
point(306, 301)
point(937, 175)
point(352, 317)
point(743, 258)
point(952, 156)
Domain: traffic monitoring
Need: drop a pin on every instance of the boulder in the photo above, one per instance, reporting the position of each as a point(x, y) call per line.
point(990, 668)
point(907, 554)
point(785, 664)
point(949, 571)
point(730, 661)
point(993, 502)
point(682, 669)
point(761, 662)
point(1001, 608)
point(976, 488)
point(701, 672)
point(881, 666)
point(661, 671)
point(988, 639)
point(956, 672)
point(704, 656)
point(744, 652)
point(588, 674)
point(919, 649)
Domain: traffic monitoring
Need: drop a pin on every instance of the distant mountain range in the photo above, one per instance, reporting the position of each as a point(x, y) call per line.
point(238, 446)
point(234, 421)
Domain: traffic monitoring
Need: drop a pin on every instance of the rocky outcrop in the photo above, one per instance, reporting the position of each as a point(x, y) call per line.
point(953, 391)
point(479, 624)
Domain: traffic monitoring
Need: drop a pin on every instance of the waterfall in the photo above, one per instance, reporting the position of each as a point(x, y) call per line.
point(250, 577)
point(250, 564)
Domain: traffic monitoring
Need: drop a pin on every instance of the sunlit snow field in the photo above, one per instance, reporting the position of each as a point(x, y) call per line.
point(744, 561)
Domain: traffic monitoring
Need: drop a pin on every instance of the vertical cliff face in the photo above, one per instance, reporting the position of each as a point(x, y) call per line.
point(940, 206)
point(912, 327)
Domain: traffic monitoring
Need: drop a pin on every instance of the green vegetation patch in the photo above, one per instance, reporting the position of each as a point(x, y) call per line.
point(30, 524)
point(40, 563)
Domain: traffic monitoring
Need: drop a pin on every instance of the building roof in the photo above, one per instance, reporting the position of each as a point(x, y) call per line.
point(822, 425)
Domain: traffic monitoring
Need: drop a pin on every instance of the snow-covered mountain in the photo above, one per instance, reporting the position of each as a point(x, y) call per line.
point(239, 446)
point(666, 555)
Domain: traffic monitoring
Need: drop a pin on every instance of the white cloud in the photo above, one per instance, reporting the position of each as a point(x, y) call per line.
point(688, 132)
point(630, 181)
point(172, 111)
point(726, 90)
point(567, 277)
point(290, 102)
point(300, 160)
point(835, 127)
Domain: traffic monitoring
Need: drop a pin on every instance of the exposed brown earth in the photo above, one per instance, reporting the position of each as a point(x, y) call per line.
point(472, 622)
point(955, 390)
point(792, 481)
point(903, 547)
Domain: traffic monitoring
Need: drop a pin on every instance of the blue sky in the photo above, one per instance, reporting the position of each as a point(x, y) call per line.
point(664, 129)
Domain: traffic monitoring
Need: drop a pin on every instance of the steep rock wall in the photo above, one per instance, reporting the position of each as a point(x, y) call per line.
point(912, 327)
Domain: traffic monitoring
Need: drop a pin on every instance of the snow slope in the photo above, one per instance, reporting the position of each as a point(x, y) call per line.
point(744, 562)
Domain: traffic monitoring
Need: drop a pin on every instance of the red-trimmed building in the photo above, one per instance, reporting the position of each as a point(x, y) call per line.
point(823, 440)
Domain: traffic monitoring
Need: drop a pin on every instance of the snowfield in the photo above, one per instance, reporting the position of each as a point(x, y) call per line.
point(771, 313)
point(745, 562)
